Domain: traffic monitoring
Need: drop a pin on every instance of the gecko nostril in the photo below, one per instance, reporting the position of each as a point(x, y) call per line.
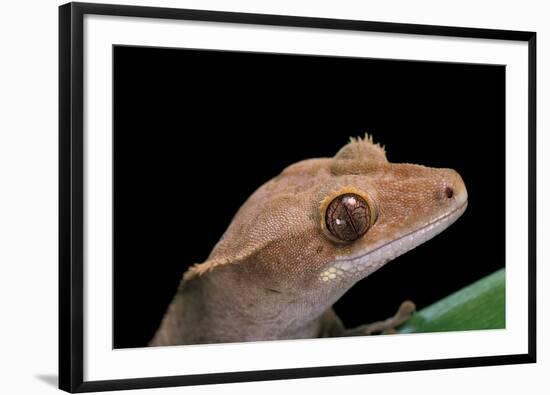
point(449, 192)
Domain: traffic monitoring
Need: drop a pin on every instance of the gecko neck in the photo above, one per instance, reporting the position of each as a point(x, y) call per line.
point(222, 306)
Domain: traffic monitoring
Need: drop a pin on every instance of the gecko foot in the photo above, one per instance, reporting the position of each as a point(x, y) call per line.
point(405, 311)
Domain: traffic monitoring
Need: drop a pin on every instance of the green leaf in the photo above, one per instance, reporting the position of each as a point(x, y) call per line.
point(480, 305)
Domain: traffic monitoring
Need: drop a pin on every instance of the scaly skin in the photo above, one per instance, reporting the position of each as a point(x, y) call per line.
point(278, 269)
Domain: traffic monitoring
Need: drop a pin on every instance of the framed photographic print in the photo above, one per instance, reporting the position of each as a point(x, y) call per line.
point(258, 197)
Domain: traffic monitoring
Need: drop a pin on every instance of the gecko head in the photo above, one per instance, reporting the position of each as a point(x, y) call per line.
point(374, 211)
point(324, 224)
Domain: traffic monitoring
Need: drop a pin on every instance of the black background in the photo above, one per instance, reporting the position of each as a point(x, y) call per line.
point(196, 129)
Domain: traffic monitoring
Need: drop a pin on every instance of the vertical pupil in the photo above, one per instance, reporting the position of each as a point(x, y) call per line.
point(348, 217)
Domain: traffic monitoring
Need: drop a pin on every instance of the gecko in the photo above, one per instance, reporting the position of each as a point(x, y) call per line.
point(304, 238)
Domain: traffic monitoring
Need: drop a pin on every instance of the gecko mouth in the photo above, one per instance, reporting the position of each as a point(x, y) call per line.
point(369, 262)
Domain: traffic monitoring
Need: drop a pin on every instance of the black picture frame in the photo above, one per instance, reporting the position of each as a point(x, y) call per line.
point(71, 195)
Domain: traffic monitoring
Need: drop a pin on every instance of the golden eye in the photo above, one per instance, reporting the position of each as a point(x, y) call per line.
point(348, 217)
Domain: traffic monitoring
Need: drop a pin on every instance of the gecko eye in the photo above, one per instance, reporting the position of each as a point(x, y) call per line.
point(348, 217)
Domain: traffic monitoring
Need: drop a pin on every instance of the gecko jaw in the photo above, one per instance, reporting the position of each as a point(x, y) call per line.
point(371, 261)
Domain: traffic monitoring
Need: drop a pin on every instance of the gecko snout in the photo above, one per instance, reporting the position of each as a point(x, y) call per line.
point(454, 188)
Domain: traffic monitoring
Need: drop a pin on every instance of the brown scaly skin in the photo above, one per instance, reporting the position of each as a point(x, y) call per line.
point(278, 269)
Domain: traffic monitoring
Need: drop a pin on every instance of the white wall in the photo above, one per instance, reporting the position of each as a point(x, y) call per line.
point(28, 194)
